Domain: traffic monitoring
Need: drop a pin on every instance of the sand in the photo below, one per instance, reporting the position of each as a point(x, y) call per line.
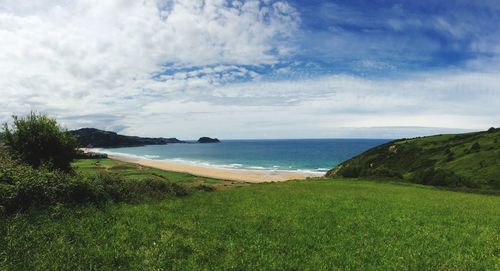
point(251, 176)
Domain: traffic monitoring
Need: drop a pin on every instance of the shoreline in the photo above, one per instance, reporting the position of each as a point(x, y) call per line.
point(241, 175)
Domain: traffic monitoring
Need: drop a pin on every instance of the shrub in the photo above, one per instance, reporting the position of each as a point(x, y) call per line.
point(114, 188)
point(495, 183)
point(386, 172)
point(23, 187)
point(442, 177)
point(450, 157)
point(349, 171)
point(475, 147)
point(39, 141)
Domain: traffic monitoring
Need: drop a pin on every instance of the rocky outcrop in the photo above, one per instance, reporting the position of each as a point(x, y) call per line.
point(208, 140)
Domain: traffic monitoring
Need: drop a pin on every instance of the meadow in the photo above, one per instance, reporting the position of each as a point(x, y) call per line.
point(318, 224)
point(129, 171)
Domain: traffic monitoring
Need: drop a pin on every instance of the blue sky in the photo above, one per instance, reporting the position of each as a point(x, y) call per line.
point(397, 36)
point(254, 69)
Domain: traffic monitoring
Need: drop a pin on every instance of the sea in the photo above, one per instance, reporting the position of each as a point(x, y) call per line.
point(306, 155)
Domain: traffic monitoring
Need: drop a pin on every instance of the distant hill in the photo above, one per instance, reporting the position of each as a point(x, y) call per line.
point(463, 160)
point(106, 139)
point(208, 140)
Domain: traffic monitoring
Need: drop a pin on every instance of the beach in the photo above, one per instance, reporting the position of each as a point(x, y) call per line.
point(271, 160)
point(242, 175)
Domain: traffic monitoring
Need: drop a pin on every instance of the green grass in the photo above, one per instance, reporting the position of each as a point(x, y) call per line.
point(137, 172)
point(315, 225)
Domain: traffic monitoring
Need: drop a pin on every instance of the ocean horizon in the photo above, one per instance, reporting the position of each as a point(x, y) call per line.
point(303, 155)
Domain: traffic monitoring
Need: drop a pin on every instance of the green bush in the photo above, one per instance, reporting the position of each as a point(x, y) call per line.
point(441, 177)
point(475, 147)
point(114, 188)
point(23, 187)
point(495, 183)
point(351, 171)
point(450, 157)
point(39, 141)
point(386, 172)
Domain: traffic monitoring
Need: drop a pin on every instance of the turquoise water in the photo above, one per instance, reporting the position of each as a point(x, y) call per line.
point(312, 155)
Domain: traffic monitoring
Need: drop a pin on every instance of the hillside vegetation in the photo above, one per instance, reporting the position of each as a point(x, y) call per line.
point(464, 160)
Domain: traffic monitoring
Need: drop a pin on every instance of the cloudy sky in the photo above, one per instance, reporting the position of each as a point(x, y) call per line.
point(254, 69)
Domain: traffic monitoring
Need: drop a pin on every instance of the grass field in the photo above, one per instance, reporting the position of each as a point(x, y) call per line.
point(315, 225)
point(137, 172)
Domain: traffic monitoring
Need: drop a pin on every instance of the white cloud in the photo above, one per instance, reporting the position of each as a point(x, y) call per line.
point(101, 63)
point(329, 106)
point(61, 56)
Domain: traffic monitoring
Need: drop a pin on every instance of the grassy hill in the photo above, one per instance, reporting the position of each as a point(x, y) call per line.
point(463, 160)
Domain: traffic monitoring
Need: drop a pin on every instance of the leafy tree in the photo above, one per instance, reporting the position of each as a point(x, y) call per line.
point(40, 141)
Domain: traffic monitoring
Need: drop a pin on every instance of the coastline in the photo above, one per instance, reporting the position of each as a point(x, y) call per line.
point(241, 175)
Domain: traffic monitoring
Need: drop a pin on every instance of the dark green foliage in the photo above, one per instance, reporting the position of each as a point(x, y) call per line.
point(23, 187)
point(351, 172)
point(384, 172)
point(39, 141)
point(114, 188)
point(475, 147)
point(465, 160)
point(495, 183)
point(450, 157)
point(378, 172)
point(441, 177)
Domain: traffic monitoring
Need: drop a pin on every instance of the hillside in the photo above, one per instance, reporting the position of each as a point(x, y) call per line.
point(106, 139)
point(463, 160)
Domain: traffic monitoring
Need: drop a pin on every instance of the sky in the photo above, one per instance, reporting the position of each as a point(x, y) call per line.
point(254, 69)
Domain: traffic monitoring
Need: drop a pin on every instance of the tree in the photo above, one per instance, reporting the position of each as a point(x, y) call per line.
point(39, 141)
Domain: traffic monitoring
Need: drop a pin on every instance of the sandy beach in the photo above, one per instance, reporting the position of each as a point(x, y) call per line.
point(251, 176)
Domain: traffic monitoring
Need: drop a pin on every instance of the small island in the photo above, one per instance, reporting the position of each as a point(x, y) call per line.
point(208, 140)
